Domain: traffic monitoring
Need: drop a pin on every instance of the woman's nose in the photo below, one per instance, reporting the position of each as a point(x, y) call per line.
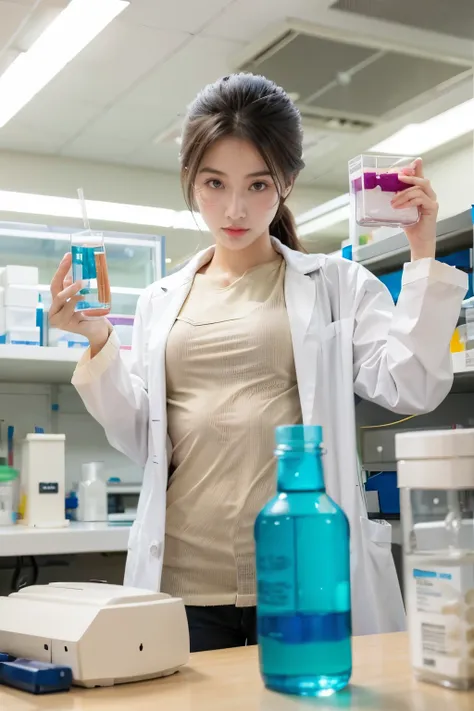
point(235, 209)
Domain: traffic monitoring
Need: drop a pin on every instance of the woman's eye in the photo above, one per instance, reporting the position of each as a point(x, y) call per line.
point(259, 186)
point(214, 183)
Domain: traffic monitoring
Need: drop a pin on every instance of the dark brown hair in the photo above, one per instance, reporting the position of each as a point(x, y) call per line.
point(257, 110)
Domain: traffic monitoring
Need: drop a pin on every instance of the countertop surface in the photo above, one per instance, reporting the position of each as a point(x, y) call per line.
point(73, 539)
point(229, 680)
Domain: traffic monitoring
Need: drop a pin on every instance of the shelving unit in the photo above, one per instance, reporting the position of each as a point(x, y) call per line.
point(391, 253)
point(34, 364)
point(75, 539)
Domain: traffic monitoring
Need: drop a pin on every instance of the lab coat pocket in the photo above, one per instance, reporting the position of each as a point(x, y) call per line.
point(379, 533)
point(378, 537)
point(378, 564)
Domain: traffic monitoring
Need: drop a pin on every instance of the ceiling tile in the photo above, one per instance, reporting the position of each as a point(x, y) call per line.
point(185, 15)
point(112, 63)
point(246, 19)
point(173, 85)
point(125, 121)
point(64, 119)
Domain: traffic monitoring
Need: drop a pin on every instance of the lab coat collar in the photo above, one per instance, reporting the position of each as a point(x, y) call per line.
point(298, 261)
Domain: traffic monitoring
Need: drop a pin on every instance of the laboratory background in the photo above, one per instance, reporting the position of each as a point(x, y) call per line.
point(91, 111)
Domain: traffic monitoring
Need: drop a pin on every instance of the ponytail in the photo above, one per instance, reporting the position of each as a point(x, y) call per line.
point(283, 228)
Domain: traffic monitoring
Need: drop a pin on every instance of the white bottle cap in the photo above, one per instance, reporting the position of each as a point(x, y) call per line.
point(435, 459)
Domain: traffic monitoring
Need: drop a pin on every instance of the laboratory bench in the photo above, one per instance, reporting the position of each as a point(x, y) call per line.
point(73, 539)
point(229, 680)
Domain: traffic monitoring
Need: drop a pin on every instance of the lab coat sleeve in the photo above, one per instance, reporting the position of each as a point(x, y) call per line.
point(115, 395)
point(401, 353)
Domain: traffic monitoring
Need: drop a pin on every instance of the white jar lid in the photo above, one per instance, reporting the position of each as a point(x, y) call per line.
point(435, 444)
point(436, 459)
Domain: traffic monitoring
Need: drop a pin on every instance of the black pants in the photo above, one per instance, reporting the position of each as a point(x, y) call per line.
point(221, 627)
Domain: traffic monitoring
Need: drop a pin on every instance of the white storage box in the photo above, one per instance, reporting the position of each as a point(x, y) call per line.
point(24, 337)
point(19, 276)
point(21, 296)
point(42, 478)
point(18, 317)
point(64, 339)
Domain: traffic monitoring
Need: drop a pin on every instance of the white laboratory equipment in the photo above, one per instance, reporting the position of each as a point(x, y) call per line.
point(92, 493)
point(436, 480)
point(42, 481)
point(107, 634)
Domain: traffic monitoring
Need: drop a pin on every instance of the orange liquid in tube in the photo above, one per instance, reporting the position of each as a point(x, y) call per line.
point(89, 265)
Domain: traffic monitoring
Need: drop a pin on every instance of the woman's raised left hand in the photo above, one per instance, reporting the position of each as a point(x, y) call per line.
point(419, 193)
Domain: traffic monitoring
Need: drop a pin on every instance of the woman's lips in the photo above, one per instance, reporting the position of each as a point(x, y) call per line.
point(234, 231)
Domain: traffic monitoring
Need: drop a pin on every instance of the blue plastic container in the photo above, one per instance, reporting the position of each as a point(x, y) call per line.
point(385, 483)
point(303, 575)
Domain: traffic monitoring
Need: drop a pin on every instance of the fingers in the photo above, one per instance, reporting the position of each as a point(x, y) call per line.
point(62, 298)
point(57, 282)
point(415, 196)
point(415, 168)
point(420, 182)
point(418, 167)
point(65, 316)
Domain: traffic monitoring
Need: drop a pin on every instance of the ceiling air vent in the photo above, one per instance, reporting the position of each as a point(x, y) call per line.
point(447, 17)
point(331, 75)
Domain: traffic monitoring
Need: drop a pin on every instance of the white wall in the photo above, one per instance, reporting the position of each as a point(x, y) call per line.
point(452, 178)
point(49, 175)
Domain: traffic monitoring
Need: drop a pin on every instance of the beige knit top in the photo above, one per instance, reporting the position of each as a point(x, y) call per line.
point(230, 380)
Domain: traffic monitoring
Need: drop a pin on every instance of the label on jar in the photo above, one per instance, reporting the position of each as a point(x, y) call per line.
point(441, 617)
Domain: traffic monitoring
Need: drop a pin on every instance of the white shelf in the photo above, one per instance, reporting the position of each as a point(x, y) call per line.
point(76, 538)
point(35, 364)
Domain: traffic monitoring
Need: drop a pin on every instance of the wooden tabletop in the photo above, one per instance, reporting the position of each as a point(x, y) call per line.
point(229, 680)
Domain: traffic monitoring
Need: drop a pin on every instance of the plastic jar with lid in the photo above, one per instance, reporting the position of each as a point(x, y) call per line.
point(8, 495)
point(436, 481)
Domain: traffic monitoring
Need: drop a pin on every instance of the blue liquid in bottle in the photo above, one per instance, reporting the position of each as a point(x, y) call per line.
point(89, 265)
point(303, 575)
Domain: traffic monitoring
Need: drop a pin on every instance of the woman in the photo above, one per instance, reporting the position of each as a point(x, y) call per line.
point(251, 334)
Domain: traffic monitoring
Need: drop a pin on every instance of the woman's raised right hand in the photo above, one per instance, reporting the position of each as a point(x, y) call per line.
point(62, 313)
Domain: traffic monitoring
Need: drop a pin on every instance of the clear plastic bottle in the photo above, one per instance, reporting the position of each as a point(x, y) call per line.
point(303, 575)
point(436, 480)
point(92, 494)
point(89, 265)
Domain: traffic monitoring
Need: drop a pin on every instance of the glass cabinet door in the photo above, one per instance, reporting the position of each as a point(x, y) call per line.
point(134, 260)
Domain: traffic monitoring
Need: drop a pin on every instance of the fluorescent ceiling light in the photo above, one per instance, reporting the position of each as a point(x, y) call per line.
point(29, 204)
point(418, 138)
point(324, 221)
point(323, 209)
point(63, 39)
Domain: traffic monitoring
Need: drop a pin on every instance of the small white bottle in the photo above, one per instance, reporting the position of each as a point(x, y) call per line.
point(92, 494)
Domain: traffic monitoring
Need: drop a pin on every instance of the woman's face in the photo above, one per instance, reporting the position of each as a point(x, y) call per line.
point(235, 193)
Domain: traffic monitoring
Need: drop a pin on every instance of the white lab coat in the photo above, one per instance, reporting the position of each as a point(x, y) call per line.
point(348, 338)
